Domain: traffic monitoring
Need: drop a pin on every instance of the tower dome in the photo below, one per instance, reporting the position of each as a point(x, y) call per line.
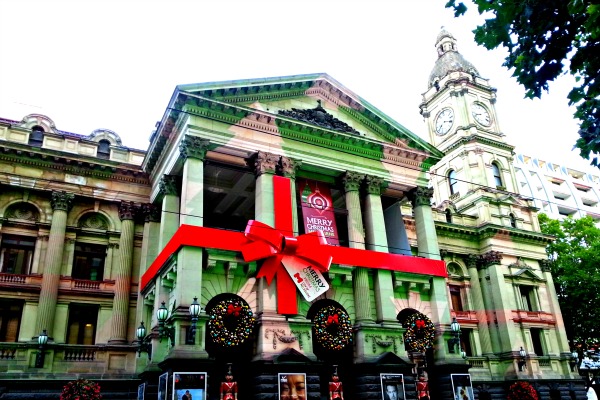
point(449, 59)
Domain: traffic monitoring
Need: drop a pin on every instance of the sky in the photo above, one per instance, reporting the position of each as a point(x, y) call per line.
point(114, 64)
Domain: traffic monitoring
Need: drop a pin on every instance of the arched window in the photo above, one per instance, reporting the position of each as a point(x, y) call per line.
point(448, 215)
point(513, 220)
point(497, 175)
point(104, 149)
point(36, 137)
point(452, 182)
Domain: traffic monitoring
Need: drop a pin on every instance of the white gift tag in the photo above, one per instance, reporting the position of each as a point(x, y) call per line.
point(309, 281)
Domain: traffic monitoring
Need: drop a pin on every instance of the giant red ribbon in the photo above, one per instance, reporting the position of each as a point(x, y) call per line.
point(260, 241)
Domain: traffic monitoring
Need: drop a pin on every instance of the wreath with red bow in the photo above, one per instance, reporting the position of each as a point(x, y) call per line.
point(522, 390)
point(333, 329)
point(420, 333)
point(231, 322)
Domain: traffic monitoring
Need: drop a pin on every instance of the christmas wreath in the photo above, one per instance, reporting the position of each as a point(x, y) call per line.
point(81, 389)
point(231, 322)
point(333, 329)
point(522, 391)
point(420, 333)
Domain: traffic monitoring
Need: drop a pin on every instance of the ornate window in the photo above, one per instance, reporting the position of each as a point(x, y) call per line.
point(16, 254)
point(36, 137)
point(88, 261)
point(497, 175)
point(452, 182)
point(455, 297)
point(528, 298)
point(82, 324)
point(104, 149)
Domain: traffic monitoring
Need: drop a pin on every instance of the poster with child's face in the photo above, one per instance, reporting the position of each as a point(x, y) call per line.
point(292, 386)
point(189, 386)
point(461, 387)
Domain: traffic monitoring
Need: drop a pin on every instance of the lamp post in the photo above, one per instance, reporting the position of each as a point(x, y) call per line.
point(574, 360)
point(522, 362)
point(194, 312)
point(40, 356)
point(163, 330)
point(455, 340)
point(143, 344)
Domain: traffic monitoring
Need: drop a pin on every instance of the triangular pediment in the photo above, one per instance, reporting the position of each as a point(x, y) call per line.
point(314, 105)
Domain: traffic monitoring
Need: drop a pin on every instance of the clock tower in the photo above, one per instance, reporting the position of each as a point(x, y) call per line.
point(460, 115)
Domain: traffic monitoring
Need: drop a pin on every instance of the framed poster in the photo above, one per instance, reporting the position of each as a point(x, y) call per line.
point(461, 387)
point(141, 390)
point(392, 386)
point(162, 386)
point(189, 386)
point(292, 386)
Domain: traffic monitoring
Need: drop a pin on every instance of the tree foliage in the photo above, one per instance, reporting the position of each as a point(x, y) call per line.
point(544, 39)
point(575, 265)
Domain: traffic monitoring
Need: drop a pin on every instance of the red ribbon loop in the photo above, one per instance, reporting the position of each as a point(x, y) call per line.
point(333, 319)
point(231, 309)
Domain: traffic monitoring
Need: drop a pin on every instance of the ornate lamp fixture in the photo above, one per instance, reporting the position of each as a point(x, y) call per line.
point(522, 362)
point(143, 340)
point(194, 312)
point(40, 356)
point(574, 360)
point(164, 330)
point(455, 340)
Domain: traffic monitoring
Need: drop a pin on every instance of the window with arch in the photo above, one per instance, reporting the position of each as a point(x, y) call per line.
point(90, 248)
point(497, 175)
point(448, 216)
point(104, 149)
point(36, 137)
point(452, 182)
point(513, 220)
point(17, 250)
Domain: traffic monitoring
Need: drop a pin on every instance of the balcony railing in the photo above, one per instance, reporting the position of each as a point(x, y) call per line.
point(34, 279)
point(67, 283)
point(533, 317)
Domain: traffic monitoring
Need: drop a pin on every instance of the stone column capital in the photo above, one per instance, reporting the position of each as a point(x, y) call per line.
point(62, 200)
point(352, 181)
point(490, 258)
point(168, 185)
point(546, 265)
point(127, 210)
point(193, 147)
point(471, 260)
point(265, 163)
point(420, 196)
point(288, 167)
point(151, 213)
point(374, 184)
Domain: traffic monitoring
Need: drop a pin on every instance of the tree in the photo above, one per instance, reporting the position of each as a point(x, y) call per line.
point(575, 265)
point(545, 39)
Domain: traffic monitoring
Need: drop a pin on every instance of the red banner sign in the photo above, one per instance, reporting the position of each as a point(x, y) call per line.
point(317, 210)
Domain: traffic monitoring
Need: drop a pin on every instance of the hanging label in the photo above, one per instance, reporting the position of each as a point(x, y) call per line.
point(309, 281)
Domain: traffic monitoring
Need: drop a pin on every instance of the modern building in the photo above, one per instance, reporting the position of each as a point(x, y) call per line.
point(281, 230)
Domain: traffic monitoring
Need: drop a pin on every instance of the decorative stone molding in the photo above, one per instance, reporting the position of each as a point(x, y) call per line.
point(193, 147)
point(471, 260)
point(23, 211)
point(374, 185)
point(62, 201)
point(319, 116)
point(127, 210)
point(546, 265)
point(420, 196)
point(168, 185)
point(288, 167)
point(279, 335)
point(151, 213)
point(93, 221)
point(265, 163)
point(490, 258)
point(380, 341)
point(352, 181)
point(113, 245)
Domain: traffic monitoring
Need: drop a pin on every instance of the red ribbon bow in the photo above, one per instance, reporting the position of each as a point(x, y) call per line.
point(420, 324)
point(231, 309)
point(333, 319)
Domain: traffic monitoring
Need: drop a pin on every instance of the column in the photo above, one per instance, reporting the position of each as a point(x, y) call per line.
point(61, 203)
point(168, 187)
point(265, 167)
point(127, 212)
point(35, 267)
point(377, 241)
point(352, 182)
point(289, 167)
point(479, 306)
point(561, 334)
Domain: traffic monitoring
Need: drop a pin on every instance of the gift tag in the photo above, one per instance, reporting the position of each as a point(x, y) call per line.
point(309, 280)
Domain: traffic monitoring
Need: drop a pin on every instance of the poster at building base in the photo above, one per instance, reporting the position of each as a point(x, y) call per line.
point(162, 386)
point(189, 386)
point(461, 387)
point(141, 390)
point(392, 386)
point(292, 386)
point(317, 210)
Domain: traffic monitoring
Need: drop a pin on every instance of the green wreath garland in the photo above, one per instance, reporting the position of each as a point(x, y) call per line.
point(228, 313)
point(420, 333)
point(333, 329)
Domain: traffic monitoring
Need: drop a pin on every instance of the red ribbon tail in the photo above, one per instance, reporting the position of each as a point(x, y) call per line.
point(269, 269)
point(286, 294)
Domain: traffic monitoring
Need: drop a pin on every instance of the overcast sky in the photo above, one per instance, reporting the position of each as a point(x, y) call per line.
point(114, 64)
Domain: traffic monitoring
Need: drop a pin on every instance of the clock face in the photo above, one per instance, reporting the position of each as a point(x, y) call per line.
point(481, 115)
point(444, 121)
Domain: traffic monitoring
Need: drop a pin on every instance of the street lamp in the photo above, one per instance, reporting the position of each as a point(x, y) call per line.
point(163, 330)
point(522, 354)
point(574, 360)
point(143, 343)
point(463, 354)
point(42, 341)
point(455, 340)
point(194, 312)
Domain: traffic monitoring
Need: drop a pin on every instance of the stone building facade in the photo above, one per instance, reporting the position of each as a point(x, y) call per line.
point(218, 212)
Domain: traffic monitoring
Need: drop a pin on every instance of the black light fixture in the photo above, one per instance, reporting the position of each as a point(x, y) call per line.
point(194, 312)
point(455, 340)
point(463, 353)
point(574, 360)
point(143, 340)
point(164, 330)
point(522, 362)
point(40, 356)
